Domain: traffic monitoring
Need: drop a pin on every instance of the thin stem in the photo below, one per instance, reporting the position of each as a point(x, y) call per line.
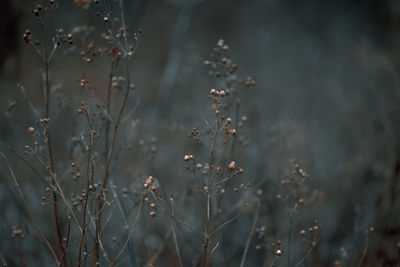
point(115, 130)
point(28, 210)
point(313, 244)
point(209, 191)
point(364, 253)
point(109, 105)
point(176, 245)
point(48, 143)
point(87, 194)
point(289, 239)
point(252, 230)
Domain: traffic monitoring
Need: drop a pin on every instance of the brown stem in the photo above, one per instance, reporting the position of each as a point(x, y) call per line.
point(86, 197)
point(114, 135)
point(49, 150)
point(205, 248)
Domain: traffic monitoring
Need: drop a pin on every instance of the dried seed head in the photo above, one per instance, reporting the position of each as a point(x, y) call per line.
point(232, 165)
point(31, 130)
point(154, 187)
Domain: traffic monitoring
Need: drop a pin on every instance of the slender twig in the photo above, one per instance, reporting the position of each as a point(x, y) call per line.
point(252, 231)
point(209, 189)
point(313, 245)
point(28, 210)
point(116, 124)
point(3, 261)
point(176, 245)
point(87, 192)
point(48, 142)
point(131, 247)
point(67, 239)
point(132, 231)
point(364, 253)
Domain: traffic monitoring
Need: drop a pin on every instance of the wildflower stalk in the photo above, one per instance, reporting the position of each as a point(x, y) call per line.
point(48, 144)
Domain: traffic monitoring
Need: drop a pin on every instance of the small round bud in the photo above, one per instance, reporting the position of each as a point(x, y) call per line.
point(186, 158)
point(153, 214)
point(154, 188)
point(232, 165)
point(31, 130)
point(279, 252)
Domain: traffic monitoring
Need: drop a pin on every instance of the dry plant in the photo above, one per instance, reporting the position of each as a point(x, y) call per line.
point(97, 217)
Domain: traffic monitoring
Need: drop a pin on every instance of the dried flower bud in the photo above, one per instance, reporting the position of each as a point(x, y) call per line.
point(31, 130)
point(232, 165)
point(154, 188)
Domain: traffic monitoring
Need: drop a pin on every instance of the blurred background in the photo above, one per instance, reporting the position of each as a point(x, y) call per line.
point(327, 94)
